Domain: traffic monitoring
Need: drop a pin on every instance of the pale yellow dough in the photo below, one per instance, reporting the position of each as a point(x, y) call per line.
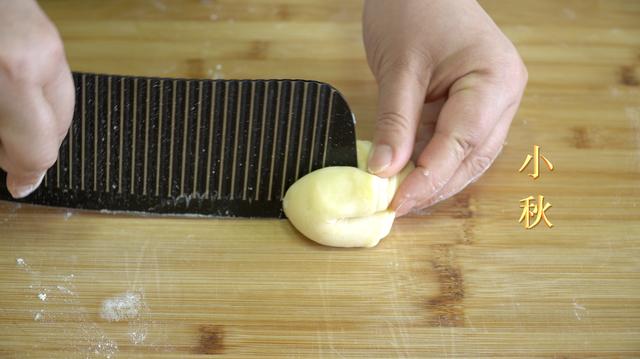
point(344, 206)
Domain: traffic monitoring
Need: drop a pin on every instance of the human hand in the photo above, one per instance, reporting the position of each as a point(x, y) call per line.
point(449, 83)
point(36, 95)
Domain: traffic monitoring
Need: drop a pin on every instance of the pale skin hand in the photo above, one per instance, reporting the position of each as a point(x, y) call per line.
point(36, 94)
point(449, 84)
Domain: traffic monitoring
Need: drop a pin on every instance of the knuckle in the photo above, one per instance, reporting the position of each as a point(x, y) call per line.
point(24, 64)
point(514, 72)
point(15, 66)
point(413, 64)
point(478, 164)
point(518, 72)
point(393, 122)
point(507, 69)
point(524, 73)
point(463, 146)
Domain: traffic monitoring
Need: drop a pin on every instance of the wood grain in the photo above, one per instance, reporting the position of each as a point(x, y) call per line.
point(464, 279)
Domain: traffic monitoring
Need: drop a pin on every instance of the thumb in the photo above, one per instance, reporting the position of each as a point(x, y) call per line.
point(20, 183)
point(22, 186)
point(29, 143)
point(401, 98)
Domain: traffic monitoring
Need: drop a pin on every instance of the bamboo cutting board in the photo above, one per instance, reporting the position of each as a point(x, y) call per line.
point(464, 279)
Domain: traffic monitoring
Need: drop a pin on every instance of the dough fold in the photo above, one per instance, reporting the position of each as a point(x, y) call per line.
point(344, 206)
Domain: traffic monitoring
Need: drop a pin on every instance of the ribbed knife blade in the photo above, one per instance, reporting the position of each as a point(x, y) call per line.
point(207, 147)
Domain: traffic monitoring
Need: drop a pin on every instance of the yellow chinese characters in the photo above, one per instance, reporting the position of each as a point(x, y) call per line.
point(534, 210)
point(536, 162)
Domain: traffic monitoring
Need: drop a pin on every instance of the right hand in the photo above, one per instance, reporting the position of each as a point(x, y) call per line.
point(36, 95)
point(449, 85)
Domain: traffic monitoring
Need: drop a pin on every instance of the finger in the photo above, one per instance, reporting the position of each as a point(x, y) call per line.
point(60, 94)
point(464, 122)
point(427, 126)
point(401, 97)
point(475, 165)
point(27, 147)
point(22, 185)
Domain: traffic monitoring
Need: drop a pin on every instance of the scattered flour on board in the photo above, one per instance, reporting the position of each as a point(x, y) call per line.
point(11, 213)
point(614, 91)
point(138, 337)
point(569, 13)
point(64, 290)
point(131, 307)
point(160, 5)
point(578, 310)
point(217, 75)
point(39, 315)
point(85, 335)
point(123, 307)
point(104, 348)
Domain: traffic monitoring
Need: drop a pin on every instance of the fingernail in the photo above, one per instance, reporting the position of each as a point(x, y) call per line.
point(23, 190)
point(405, 207)
point(380, 158)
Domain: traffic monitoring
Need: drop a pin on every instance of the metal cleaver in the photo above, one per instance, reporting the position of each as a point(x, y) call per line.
point(200, 147)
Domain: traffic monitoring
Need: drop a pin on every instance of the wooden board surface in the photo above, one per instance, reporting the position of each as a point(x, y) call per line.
point(465, 279)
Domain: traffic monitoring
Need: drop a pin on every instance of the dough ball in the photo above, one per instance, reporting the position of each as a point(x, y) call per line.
point(344, 206)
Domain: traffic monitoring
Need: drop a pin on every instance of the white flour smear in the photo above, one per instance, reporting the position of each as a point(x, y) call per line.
point(53, 300)
point(122, 307)
point(12, 212)
point(130, 307)
point(87, 338)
